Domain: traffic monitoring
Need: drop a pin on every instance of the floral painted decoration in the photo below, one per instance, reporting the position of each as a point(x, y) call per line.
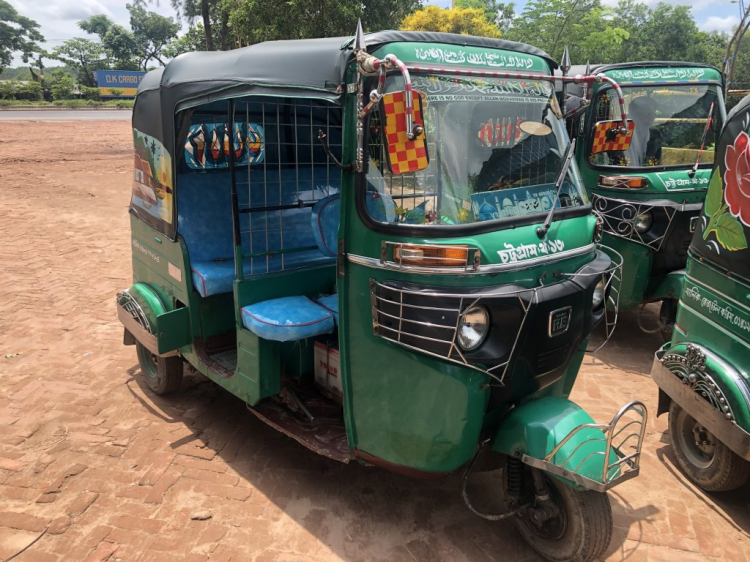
point(727, 214)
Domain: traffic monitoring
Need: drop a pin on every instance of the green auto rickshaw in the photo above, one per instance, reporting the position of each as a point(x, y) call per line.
point(703, 373)
point(383, 246)
point(649, 195)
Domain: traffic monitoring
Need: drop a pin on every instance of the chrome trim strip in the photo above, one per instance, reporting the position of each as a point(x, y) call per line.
point(483, 269)
point(722, 295)
point(656, 203)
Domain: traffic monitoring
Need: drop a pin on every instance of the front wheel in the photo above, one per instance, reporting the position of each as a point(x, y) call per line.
point(577, 529)
point(705, 460)
point(162, 374)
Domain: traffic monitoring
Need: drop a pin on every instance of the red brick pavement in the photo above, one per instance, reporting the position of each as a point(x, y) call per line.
point(108, 471)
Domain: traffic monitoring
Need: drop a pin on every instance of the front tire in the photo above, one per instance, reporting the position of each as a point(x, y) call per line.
point(579, 533)
point(162, 374)
point(705, 460)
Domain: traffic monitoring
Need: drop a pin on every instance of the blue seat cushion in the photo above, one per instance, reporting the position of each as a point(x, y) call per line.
point(216, 277)
point(331, 304)
point(324, 220)
point(287, 319)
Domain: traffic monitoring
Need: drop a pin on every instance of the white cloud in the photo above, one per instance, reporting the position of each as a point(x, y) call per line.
point(715, 23)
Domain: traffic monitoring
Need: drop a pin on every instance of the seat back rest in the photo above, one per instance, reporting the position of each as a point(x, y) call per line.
point(205, 212)
point(325, 224)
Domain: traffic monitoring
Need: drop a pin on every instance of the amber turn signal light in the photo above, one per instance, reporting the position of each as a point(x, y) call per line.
point(442, 256)
point(626, 182)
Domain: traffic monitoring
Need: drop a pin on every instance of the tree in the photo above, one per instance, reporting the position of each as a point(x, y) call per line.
point(84, 55)
point(151, 33)
point(467, 21)
point(193, 40)
point(18, 34)
point(118, 42)
point(585, 26)
point(60, 84)
point(499, 13)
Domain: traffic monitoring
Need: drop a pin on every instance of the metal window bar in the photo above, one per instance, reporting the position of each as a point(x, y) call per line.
point(289, 151)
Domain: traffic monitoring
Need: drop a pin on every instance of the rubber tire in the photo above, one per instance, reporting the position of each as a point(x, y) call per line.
point(162, 374)
point(727, 471)
point(588, 530)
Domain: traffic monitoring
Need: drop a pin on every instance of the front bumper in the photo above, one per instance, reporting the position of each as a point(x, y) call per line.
point(725, 430)
point(522, 339)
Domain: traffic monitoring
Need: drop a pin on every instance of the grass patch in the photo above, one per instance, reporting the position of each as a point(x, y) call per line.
point(72, 104)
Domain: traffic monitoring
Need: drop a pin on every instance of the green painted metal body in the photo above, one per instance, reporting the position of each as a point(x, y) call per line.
point(714, 313)
point(642, 281)
point(405, 408)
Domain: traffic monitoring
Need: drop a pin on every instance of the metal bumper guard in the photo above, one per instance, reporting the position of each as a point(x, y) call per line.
point(135, 321)
point(597, 456)
point(726, 430)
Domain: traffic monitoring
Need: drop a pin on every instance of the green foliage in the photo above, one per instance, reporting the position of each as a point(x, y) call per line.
point(193, 40)
point(467, 21)
point(60, 84)
point(18, 34)
point(714, 194)
point(88, 93)
point(497, 13)
point(85, 56)
point(151, 33)
point(18, 90)
point(116, 91)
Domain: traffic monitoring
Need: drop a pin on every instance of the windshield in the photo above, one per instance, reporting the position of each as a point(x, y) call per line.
point(669, 125)
point(495, 150)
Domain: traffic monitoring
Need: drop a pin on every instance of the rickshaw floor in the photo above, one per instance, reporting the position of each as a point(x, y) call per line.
point(226, 358)
point(325, 433)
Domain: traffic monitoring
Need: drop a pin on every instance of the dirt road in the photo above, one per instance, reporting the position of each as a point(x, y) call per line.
point(102, 469)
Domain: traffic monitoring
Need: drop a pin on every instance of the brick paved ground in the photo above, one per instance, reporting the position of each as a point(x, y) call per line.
point(113, 472)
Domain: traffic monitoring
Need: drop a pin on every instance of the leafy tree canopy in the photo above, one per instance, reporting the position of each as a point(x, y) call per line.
point(18, 34)
point(467, 21)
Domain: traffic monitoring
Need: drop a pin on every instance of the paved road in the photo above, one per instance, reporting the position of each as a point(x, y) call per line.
point(67, 115)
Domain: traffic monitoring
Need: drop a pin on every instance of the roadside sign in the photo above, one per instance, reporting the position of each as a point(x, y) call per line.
point(125, 82)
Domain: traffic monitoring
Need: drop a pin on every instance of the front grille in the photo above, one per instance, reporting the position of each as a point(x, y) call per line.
point(412, 318)
point(550, 360)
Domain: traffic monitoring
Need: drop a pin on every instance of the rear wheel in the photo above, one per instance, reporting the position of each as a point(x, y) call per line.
point(705, 460)
point(162, 374)
point(577, 528)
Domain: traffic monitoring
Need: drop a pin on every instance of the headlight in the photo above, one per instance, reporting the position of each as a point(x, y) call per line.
point(473, 328)
point(642, 222)
point(598, 296)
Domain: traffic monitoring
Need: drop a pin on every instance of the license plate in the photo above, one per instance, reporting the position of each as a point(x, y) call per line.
point(559, 321)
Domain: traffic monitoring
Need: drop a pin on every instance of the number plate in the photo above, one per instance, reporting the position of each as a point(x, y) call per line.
point(559, 321)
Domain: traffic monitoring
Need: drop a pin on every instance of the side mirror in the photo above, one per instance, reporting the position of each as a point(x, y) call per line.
point(609, 137)
point(403, 155)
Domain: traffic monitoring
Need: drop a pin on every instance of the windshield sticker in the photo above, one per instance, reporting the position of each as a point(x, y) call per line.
point(207, 145)
point(439, 88)
point(152, 177)
point(670, 182)
point(718, 309)
point(521, 252)
point(658, 74)
point(520, 201)
point(479, 58)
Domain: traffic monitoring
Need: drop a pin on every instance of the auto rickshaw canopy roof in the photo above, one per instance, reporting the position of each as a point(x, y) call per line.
point(294, 68)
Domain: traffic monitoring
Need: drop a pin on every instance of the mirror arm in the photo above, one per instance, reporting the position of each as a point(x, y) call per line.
point(339, 165)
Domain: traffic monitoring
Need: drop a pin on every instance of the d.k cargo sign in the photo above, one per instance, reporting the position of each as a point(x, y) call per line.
point(118, 83)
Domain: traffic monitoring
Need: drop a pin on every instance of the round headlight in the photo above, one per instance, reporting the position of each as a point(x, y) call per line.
point(598, 296)
point(642, 222)
point(473, 328)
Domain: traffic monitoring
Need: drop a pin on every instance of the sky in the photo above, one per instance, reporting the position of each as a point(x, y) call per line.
point(58, 18)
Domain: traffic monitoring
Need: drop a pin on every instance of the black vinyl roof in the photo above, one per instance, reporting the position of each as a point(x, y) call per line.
point(305, 64)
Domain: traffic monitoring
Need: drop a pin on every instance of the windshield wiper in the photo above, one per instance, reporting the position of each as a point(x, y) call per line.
point(694, 169)
point(541, 232)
